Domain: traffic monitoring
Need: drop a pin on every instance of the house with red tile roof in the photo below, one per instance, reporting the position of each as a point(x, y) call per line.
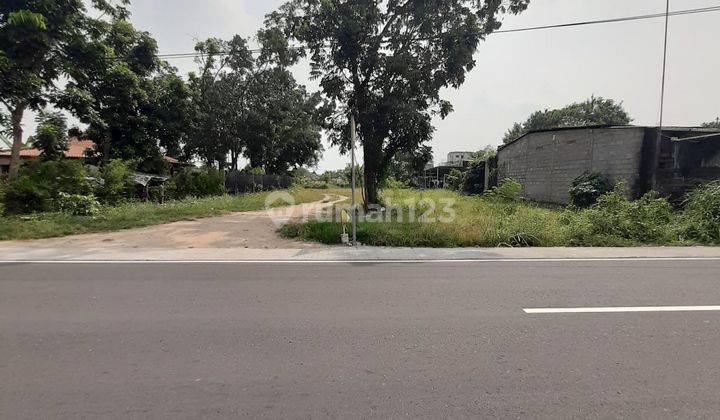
point(77, 149)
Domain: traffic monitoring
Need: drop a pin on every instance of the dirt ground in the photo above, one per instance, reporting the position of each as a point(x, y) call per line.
point(257, 229)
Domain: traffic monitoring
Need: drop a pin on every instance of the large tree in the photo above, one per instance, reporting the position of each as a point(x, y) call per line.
point(386, 61)
point(111, 92)
point(34, 35)
point(594, 111)
point(248, 105)
point(168, 111)
point(284, 123)
point(409, 165)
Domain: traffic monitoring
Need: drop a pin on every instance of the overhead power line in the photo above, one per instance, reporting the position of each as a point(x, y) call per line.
point(613, 20)
point(531, 28)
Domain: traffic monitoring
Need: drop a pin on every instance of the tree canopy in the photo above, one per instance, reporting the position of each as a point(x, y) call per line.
point(386, 62)
point(594, 111)
point(112, 91)
point(51, 137)
point(34, 39)
point(407, 166)
point(248, 105)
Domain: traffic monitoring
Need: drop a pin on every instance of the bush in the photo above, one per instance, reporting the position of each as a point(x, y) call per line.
point(40, 183)
point(394, 184)
point(194, 183)
point(78, 205)
point(587, 188)
point(25, 195)
point(118, 183)
point(65, 175)
point(509, 190)
point(473, 181)
point(701, 216)
point(616, 221)
point(3, 189)
point(315, 185)
point(455, 180)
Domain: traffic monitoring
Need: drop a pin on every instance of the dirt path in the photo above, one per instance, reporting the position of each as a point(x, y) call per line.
point(256, 229)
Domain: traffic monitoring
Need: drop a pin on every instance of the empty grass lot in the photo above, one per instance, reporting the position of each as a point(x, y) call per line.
point(490, 221)
point(477, 222)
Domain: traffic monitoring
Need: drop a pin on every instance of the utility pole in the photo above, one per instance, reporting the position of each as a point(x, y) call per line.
point(352, 186)
point(658, 140)
point(664, 65)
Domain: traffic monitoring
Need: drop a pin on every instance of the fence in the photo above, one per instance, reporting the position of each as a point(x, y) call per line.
point(243, 182)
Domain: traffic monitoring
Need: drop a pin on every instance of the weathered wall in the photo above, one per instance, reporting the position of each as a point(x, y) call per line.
point(685, 164)
point(546, 163)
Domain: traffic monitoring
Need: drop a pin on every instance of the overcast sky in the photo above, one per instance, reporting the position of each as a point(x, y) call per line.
point(517, 73)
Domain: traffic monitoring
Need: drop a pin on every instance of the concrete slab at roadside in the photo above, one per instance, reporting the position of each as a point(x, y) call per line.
point(31, 252)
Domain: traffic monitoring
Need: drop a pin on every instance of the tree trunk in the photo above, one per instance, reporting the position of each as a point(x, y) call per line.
point(17, 115)
point(234, 158)
point(371, 186)
point(371, 171)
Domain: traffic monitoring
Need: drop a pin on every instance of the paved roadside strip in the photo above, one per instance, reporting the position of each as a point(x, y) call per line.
point(35, 252)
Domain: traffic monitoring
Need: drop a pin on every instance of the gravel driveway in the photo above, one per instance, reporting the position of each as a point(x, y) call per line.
point(256, 229)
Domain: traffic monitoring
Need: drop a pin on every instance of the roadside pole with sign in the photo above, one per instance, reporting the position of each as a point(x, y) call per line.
point(352, 186)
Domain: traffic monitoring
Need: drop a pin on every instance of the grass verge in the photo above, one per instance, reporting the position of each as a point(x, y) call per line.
point(134, 215)
point(472, 221)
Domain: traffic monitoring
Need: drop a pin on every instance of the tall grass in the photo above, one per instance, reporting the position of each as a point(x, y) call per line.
point(463, 221)
point(497, 220)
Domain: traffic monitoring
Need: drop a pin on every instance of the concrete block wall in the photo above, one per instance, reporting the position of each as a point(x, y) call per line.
point(546, 163)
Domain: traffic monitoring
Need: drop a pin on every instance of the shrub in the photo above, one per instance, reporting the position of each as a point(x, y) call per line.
point(587, 188)
point(40, 183)
point(393, 183)
point(701, 215)
point(118, 184)
point(65, 175)
point(315, 184)
point(616, 221)
point(3, 189)
point(77, 205)
point(473, 181)
point(509, 190)
point(25, 195)
point(194, 183)
point(455, 180)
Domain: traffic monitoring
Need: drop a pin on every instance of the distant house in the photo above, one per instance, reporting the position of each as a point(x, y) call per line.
point(459, 159)
point(670, 161)
point(434, 176)
point(77, 149)
point(177, 165)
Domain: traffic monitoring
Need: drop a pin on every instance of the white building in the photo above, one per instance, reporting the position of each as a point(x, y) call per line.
point(458, 159)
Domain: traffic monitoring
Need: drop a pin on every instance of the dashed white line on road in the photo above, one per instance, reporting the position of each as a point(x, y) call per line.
point(621, 309)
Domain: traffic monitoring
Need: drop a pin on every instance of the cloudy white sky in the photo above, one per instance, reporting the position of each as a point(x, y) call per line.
point(517, 73)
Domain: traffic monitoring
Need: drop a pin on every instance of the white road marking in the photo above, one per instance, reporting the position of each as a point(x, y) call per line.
point(621, 309)
point(364, 261)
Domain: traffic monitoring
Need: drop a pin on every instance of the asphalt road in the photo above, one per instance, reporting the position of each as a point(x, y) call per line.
point(360, 340)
